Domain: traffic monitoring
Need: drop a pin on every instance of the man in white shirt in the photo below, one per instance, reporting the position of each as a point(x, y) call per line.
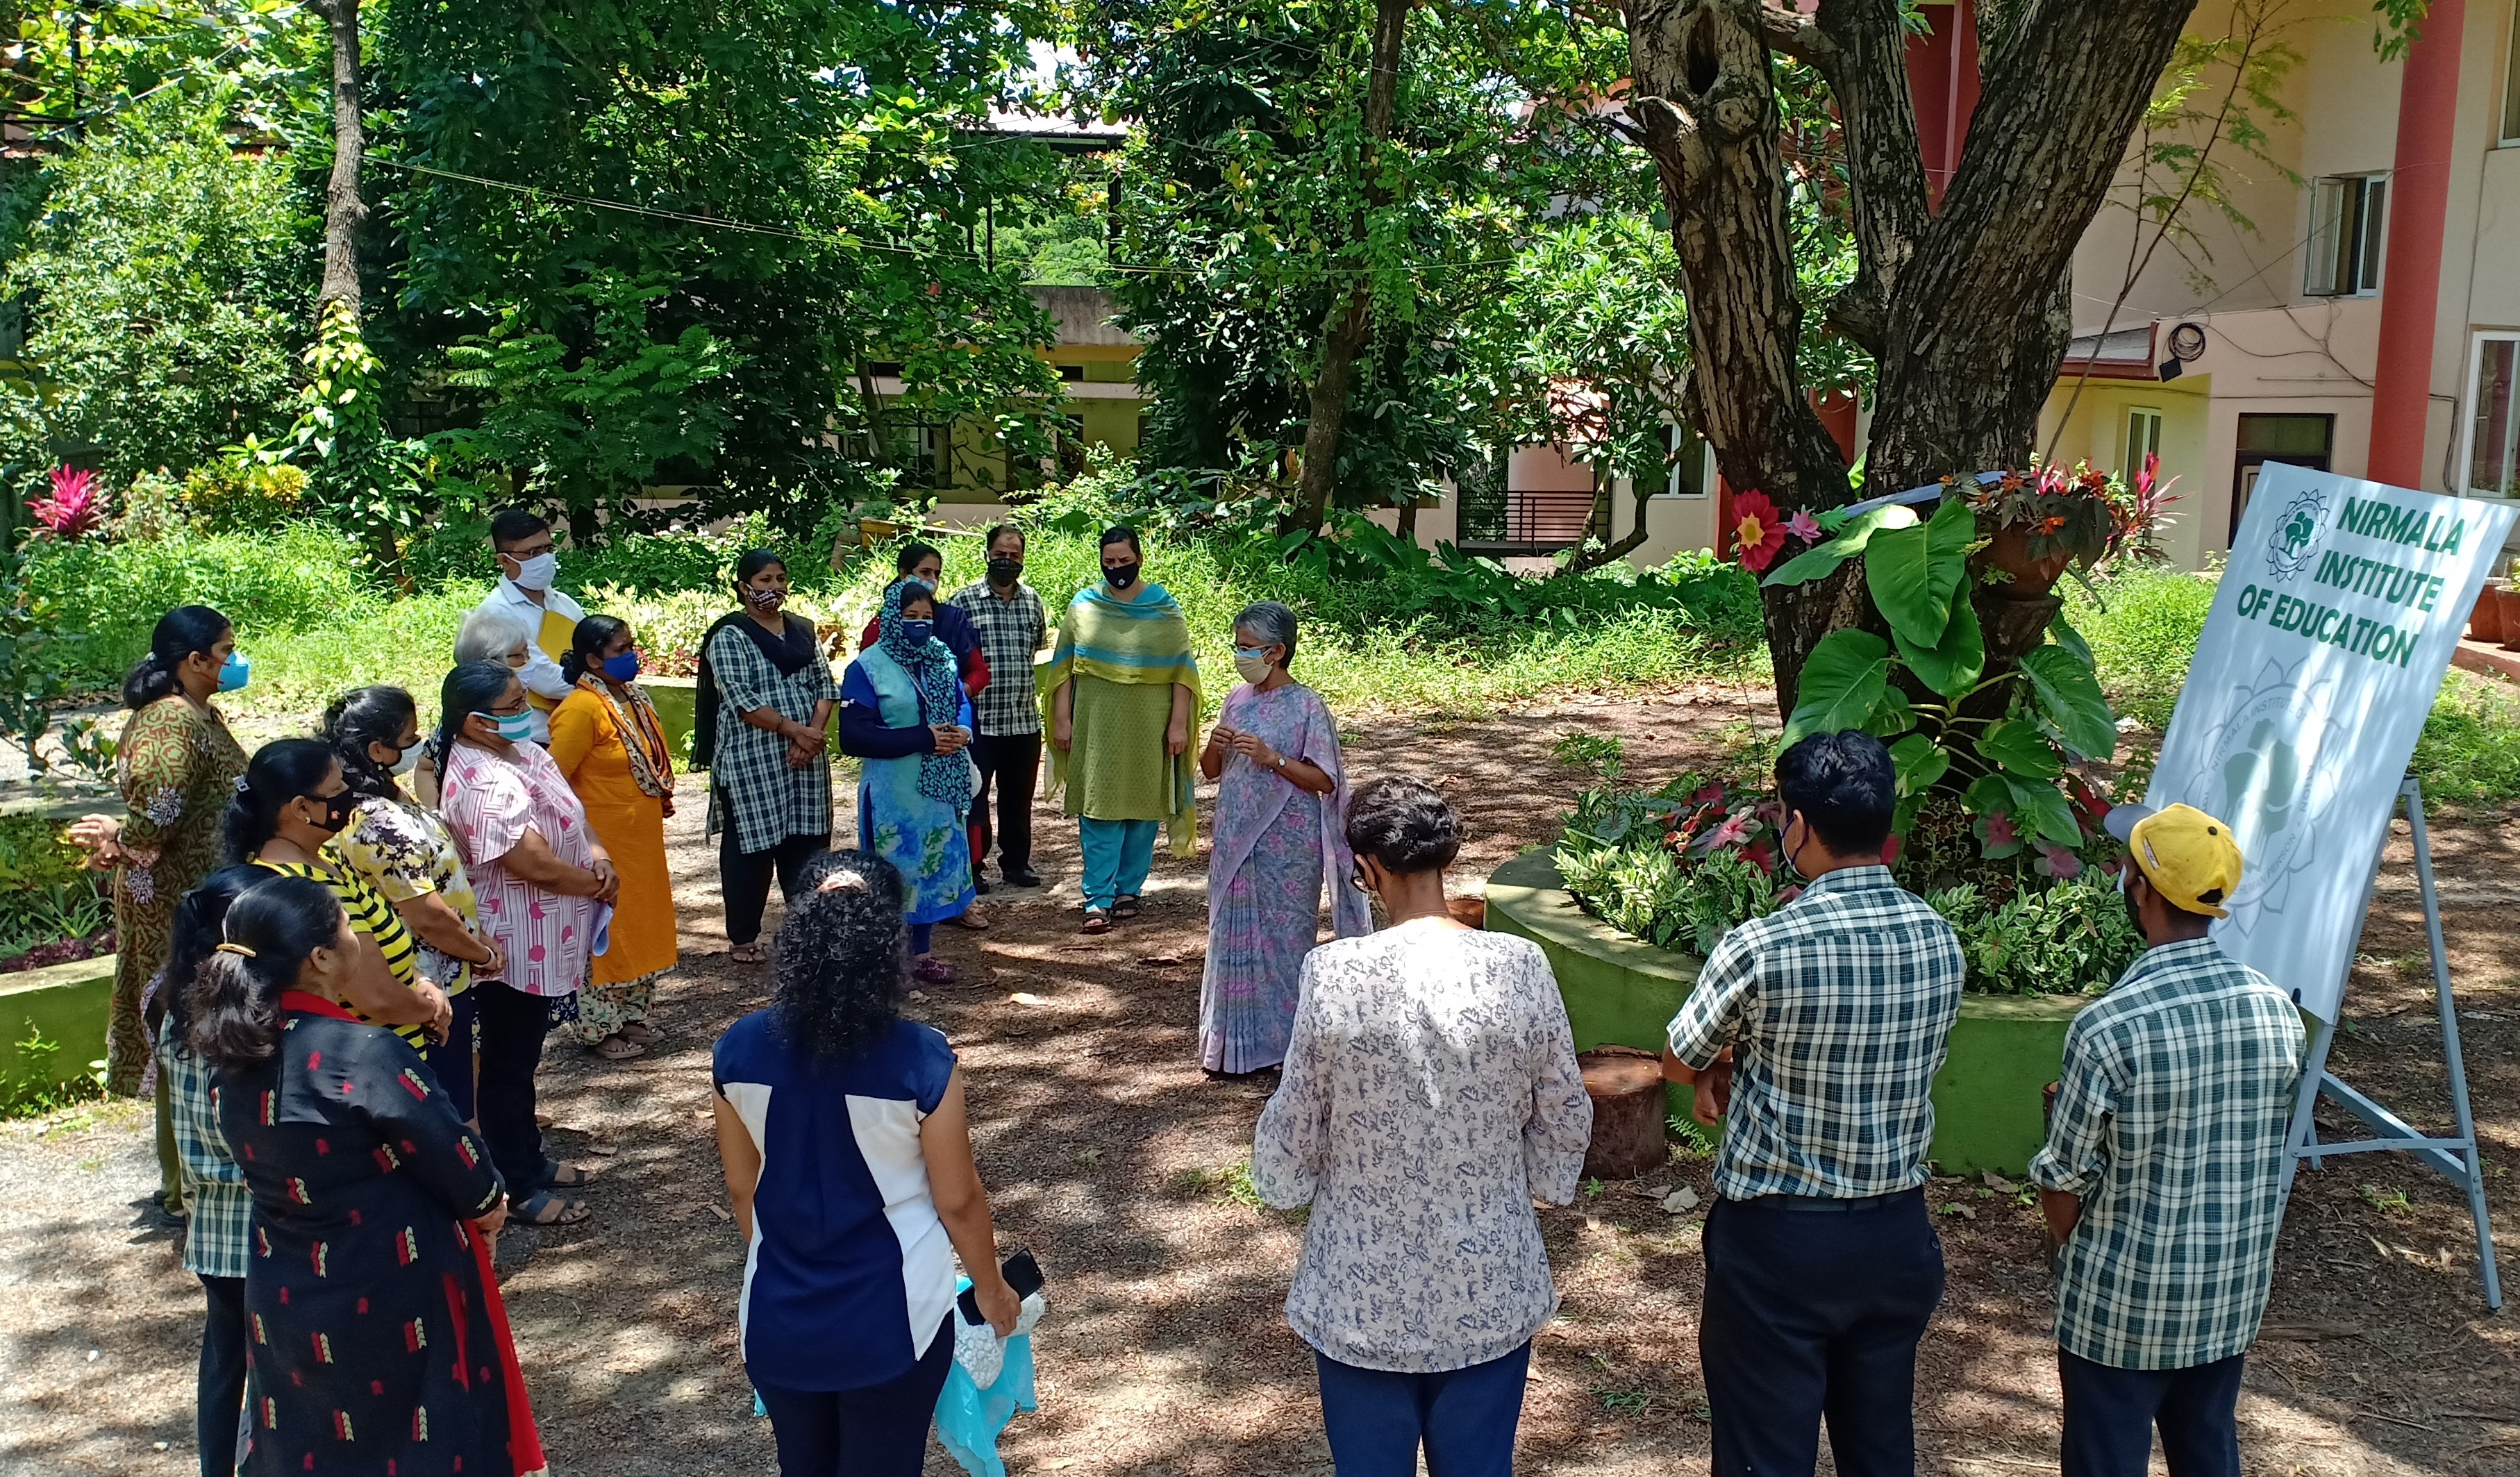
point(527, 566)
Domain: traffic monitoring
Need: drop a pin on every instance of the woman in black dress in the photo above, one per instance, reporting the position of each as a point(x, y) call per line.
point(378, 1342)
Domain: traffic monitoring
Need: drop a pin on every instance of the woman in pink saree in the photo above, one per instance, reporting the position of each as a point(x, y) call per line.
point(1281, 795)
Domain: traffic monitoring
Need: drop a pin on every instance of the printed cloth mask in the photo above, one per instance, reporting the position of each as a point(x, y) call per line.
point(515, 728)
point(337, 811)
point(538, 572)
point(765, 600)
point(234, 672)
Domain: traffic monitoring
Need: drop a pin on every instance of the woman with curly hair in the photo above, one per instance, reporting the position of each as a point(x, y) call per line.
point(848, 1158)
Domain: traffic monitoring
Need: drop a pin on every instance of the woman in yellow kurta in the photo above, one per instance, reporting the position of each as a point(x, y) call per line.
point(604, 737)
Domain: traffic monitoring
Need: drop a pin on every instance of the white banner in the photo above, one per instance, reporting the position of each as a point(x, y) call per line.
point(2337, 616)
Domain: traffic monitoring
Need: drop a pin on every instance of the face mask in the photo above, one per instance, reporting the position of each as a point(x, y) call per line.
point(337, 811)
point(1254, 666)
point(404, 762)
point(1121, 576)
point(765, 600)
point(917, 631)
point(622, 668)
point(515, 728)
point(1004, 572)
point(1785, 851)
point(234, 672)
point(538, 572)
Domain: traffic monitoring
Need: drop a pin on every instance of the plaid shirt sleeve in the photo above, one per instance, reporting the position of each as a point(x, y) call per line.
point(2087, 1095)
point(739, 668)
point(1710, 1019)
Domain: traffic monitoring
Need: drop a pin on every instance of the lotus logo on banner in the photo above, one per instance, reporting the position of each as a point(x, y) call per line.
point(2330, 634)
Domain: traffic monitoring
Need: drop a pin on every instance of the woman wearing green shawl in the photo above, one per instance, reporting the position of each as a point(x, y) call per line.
point(1122, 697)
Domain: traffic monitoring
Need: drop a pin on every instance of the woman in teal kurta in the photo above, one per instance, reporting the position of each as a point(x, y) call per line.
point(904, 716)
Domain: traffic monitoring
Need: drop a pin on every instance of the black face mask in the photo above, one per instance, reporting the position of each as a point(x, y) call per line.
point(337, 811)
point(1121, 576)
point(1004, 571)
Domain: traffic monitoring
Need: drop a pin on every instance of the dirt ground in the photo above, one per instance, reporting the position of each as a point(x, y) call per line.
point(1113, 1156)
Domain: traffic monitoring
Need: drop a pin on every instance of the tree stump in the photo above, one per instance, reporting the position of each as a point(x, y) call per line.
point(1628, 1114)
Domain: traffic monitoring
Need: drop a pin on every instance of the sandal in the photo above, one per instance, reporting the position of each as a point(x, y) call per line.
point(618, 1046)
point(543, 1208)
point(932, 971)
point(1126, 908)
point(642, 1033)
point(574, 1177)
point(971, 918)
point(751, 954)
point(1097, 920)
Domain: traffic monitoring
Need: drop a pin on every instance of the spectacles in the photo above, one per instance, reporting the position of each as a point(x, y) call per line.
point(530, 550)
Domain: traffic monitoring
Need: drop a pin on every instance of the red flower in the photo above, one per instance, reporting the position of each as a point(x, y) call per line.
point(1890, 850)
point(1758, 531)
point(75, 509)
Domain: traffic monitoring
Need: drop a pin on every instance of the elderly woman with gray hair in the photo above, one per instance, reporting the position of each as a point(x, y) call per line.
point(1281, 788)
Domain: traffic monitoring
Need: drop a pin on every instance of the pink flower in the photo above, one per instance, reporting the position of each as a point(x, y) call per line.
point(76, 509)
point(1804, 526)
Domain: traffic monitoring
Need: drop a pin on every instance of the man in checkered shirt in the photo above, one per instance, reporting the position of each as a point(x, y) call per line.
point(2162, 1177)
point(1821, 1263)
point(1013, 628)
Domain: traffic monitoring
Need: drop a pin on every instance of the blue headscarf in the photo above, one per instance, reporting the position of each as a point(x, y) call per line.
point(930, 666)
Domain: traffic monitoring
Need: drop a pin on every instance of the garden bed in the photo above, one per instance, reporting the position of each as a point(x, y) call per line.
point(52, 1026)
point(1621, 991)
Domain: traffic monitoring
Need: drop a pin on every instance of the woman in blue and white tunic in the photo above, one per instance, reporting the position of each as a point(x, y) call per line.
point(904, 716)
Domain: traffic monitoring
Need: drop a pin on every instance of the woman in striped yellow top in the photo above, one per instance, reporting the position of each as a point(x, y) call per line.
point(290, 802)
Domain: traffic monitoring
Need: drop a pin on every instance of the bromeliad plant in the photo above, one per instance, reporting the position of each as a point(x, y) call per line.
point(1998, 739)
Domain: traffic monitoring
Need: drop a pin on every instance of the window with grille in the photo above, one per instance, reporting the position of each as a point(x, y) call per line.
point(2346, 220)
point(2144, 438)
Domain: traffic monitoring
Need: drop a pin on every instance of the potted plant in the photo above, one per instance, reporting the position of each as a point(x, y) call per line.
point(2038, 522)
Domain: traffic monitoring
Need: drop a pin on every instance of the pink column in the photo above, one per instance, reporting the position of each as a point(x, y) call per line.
point(2411, 292)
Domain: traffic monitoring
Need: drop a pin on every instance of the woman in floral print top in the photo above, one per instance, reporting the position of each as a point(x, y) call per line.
point(1430, 1093)
point(176, 767)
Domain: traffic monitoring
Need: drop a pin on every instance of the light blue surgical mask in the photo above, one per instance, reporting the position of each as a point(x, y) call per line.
point(234, 672)
point(515, 728)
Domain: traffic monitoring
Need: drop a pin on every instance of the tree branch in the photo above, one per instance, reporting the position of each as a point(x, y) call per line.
point(1884, 161)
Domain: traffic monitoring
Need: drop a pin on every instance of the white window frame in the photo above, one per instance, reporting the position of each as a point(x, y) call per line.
point(2476, 343)
point(2508, 134)
point(2140, 415)
point(1671, 487)
point(2328, 197)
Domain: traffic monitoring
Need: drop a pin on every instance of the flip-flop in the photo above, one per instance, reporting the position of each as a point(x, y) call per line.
point(642, 1033)
point(543, 1208)
point(619, 1047)
point(971, 918)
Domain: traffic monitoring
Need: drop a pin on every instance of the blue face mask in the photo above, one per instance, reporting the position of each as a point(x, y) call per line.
point(622, 668)
point(917, 631)
point(515, 728)
point(234, 672)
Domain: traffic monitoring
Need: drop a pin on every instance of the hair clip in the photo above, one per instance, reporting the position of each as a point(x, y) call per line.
point(243, 783)
point(842, 881)
point(238, 949)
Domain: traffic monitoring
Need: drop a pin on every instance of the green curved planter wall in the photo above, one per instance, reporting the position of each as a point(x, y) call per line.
point(64, 1005)
point(2003, 1052)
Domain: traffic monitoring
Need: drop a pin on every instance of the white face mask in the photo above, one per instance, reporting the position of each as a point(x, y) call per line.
point(538, 572)
point(1255, 666)
point(410, 757)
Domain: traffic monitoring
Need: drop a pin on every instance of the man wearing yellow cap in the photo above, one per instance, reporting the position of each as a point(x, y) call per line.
point(2163, 1169)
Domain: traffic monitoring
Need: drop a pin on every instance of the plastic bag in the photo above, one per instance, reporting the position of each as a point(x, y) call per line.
point(969, 1414)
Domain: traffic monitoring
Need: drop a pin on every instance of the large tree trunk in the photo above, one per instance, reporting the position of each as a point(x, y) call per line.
point(1966, 313)
point(1349, 323)
point(345, 211)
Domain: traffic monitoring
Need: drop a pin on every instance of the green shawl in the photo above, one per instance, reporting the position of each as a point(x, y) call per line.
point(1139, 643)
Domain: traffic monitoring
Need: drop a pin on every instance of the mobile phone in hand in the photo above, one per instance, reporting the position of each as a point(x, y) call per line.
point(1022, 1274)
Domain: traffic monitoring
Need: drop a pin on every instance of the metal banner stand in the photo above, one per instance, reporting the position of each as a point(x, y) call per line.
point(2454, 1159)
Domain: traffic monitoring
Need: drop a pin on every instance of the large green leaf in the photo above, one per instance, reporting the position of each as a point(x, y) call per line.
point(1842, 683)
point(2042, 807)
point(1892, 716)
point(1914, 573)
point(1820, 559)
point(2018, 749)
point(1953, 665)
point(2070, 639)
point(1920, 761)
point(2067, 695)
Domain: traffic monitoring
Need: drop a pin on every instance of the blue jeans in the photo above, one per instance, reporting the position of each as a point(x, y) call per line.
point(1466, 1418)
point(1118, 855)
point(2110, 1414)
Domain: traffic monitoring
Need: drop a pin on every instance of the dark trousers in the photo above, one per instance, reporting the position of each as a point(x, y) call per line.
point(1013, 763)
point(2110, 1413)
point(452, 1058)
point(513, 1027)
point(880, 1431)
point(218, 1394)
point(1813, 1313)
point(1466, 1418)
point(744, 878)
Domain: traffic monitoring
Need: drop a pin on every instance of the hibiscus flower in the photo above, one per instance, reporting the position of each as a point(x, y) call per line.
point(1758, 531)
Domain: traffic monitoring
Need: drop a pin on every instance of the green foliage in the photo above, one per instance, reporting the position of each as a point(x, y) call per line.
point(2469, 753)
point(285, 580)
point(41, 646)
point(364, 479)
point(2143, 623)
point(36, 856)
point(164, 286)
point(2074, 938)
point(242, 494)
point(1602, 755)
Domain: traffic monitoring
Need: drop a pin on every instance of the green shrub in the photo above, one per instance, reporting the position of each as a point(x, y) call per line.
point(35, 856)
point(2469, 753)
point(2074, 938)
point(2142, 625)
point(243, 495)
point(282, 581)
